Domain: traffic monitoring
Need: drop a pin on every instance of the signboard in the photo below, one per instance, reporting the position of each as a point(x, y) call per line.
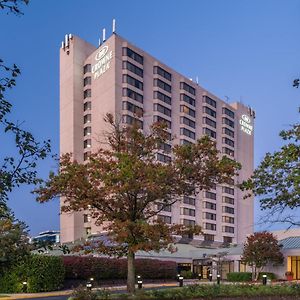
point(103, 58)
point(245, 123)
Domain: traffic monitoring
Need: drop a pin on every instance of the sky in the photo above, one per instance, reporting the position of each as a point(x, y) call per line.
point(240, 50)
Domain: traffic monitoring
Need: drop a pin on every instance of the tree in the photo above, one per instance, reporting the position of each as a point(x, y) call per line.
point(261, 249)
point(277, 179)
point(125, 188)
point(19, 168)
point(14, 242)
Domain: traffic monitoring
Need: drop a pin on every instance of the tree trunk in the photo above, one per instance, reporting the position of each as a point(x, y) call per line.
point(130, 272)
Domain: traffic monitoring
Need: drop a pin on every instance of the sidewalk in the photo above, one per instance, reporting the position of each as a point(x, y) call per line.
point(69, 292)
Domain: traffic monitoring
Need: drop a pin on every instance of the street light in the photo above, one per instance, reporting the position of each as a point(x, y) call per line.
point(180, 279)
point(24, 287)
point(89, 286)
point(218, 278)
point(264, 279)
point(139, 282)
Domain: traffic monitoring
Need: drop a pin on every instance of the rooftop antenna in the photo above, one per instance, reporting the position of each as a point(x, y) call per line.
point(99, 42)
point(227, 99)
point(114, 25)
point(197, 80)
point(103, 35)
point(67, 40)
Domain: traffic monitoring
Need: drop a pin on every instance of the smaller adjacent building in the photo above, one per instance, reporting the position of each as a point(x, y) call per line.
point(50, 236)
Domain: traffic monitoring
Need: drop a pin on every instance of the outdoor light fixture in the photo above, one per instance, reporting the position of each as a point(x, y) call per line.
point(218, 278)
point(180, 279)
point(24, 286)
point(89, 285)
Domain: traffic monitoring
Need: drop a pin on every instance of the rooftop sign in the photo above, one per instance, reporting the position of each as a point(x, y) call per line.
point(245, 123)
point(103, 58)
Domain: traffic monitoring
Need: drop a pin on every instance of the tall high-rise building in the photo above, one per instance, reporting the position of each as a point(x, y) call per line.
point(120, 78)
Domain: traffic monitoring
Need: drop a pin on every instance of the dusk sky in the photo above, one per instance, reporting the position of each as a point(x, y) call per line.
point(240, 50)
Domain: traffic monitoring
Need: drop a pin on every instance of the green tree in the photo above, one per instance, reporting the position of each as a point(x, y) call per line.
point(261, 249)
point(277, 180)
point(125, 188)
point(14, 244)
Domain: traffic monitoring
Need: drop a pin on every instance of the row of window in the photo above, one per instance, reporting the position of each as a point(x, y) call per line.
point(163, 158)
point(133, 108)
point(188, 122)
point(162, 120)
point(187, 211)
point(126, 119)
point(213, 227)
point(162, 109)
point(132, 68)
point(211, 238)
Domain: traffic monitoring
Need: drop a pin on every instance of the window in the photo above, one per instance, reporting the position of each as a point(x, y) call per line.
point(87, 118)
point(228, 112)
point(132, 68)
point(163, 207)
point(159, 83)
point(188, 111)
point(187, 133)
point(86, 218)
point(188, 122)
point(189, 200)
point(209, 132)
point(165, 219)
point(227, 190)
point(163, 158)
point(187, 211)
point(165, 147)
point(88, 230)
point(133, 95)
point(87, 143)
point(228, 229)
point(87, 93)
point(210, 226)
point(209, 111)
point(228, 141)
point(210, 195)
point(209, 122)
point(187, 99)
point(227, 209)
point(228, 239)
point(209, 205)
point(209, 237)
point(87, 131)
point(160, 71)
point(87, 68)
point(133, 55)
point(162, 97)
point(228, 151)
point(227, 131)
point(131, 120)
point(187, 222)
point(87, 80)
point(228, 122)
point(87, 106)
point(227, 219)
point(162, 120)
point(209, 216)
point(86, 155)
point(132, 81)
point(168, 135)
point(133, 108)
point(188, 88)
point(162, 109)
point(228, 200)
point(210, 101)
point(185, 142)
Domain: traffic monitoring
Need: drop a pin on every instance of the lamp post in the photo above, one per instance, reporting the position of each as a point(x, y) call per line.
point(180, 279)
point(24, 286)
point(210, 277)
point(139, 282)
point(218, 279)
point(264, 279)
point(89, 286)
point(199, 276)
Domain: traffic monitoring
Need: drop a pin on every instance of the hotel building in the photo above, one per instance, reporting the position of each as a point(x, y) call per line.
point(122, 79)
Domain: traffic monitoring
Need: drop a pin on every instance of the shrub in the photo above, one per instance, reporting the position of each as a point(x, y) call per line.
point(84, 267)
point(81, 293)
point(187, 274)
point(271, 276)
point(239, 276)
point(42, 274)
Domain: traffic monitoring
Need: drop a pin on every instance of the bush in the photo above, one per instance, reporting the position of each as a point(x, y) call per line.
point(84, 267)
point(187, 274)
point(239, 276)
point(42, 274)
point(271, 276)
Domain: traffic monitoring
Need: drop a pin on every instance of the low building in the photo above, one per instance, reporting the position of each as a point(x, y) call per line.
point(50, 236)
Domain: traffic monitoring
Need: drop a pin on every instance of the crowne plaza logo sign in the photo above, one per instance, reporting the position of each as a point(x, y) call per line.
point(103, 58)
point(245, 123)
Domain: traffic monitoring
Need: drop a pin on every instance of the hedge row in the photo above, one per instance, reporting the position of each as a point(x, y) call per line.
point(247, 276)
point(84, 267)
point(42, 274)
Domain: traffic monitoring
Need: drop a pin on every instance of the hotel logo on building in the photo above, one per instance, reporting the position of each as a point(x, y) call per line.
point(245, 123)
point(103, 58)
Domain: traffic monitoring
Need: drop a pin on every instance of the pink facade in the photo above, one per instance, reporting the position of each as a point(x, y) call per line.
point(120, 78)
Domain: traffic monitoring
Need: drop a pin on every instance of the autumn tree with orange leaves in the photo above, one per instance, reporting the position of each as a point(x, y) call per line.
point(125, 187)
